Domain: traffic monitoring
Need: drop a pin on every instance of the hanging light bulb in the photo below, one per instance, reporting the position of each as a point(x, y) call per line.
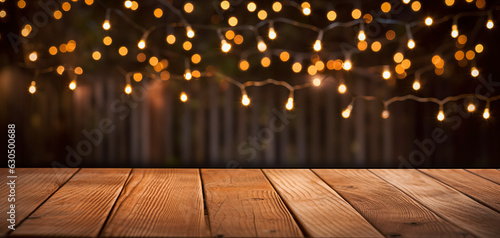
point(386, 74)
point(289, 103)
point(411, 44)
point(471, 107)
point(385, 114)
point(474, 72)
point(187, 74)
point(347, 112)
point(306, 8)
point(486, 113)
point(489, 24)
point(72, 85)
point(416, 85)
point(141, 44)
point(128, 89)
point(428, 21)
point(32, 88)
point(261, 45)
point(316, 82)
point(245, 100)
point(454, 31)
point(106, 25)
point(361, 35)
point(342, 88)
point(317, 45)
point(184, 97)
point(272, 33)
point(225, 46)
point(440, 115)
point(347, 65)
point(189, 32)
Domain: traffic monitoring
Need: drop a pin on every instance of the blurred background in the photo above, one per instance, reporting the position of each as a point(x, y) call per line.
point(97, 124)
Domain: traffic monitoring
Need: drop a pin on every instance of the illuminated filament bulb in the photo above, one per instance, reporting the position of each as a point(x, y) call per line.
point(32, 88)
point(187, 74)
point(72, 85)
point(184, 97)
point(106, 25)
point(342, 88)
point(347, 112)
point(385, 114)
point(490, 24)
point(225, 46)
point(347, 65)
point(245, 100)
point(474, 72)
point(289, 103)
point(306, 8)
point(471, 107)
point(141, 44)
point(486, 113)
point(261, 46)
point(416, 85)
point(411, 44)
point(440, 115)
point(428, 21)
point(128, 89)
point(386, 74)
point(189, 32)
point(272, 33)
point(361, 35)
point(454, 31)
point(316, 82)
point(317, 45)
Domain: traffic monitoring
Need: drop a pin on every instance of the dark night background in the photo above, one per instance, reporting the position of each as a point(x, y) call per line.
point(153, 128)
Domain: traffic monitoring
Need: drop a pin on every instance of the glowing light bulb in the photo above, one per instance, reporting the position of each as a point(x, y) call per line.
point(106, 25)
point(187, 74)
point(316, 82)
point(141, 44)
point(317, 45)
point(32, 88)
point(72, 85)
point(474, 72)
point(245, 100)
point(411, 44)
point(189, 32)
point(416, 85)
point(428, 21)
point(272, 33)
point(471, 107)
point(289, 103)
point(128, 89)
point(184, 97)
point(385, 114)
point(128, 4)
point(440, 115)
point(489, 24)
point(386, 74)
point(361, 36)
point(347, 65)
point(486, 113)
point(261, 46)
point(347, 112)
point(454, 31)
point(342, 88)
point(225, 46)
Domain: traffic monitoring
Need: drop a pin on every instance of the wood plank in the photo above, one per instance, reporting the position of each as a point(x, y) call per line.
point(79, 208)
point(446, 202)
point(490, 174)
point(242, 203)
point(317, 207)
point(382, 205)
point(472, 185)
point(159, 203)
point(33, 187)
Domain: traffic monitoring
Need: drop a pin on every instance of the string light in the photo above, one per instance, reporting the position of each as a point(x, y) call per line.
point(428, 21)
point(245, 100)
point(128, 89)
point(361, 35)
point(411, 44)
point(454, 31)
point(386, 74)
point(342, 88)
point(72, 85)
point(440, 115)
point(188, 75)
point(490, 24)
point(347, 112)
point(261, 45)
point(33, 56)
point(32, 88)
point(225, 46)
point(316, 82)
point(474, 72)
point(486, 113)
point(244, 65)
point(189, 32)
point(317, 45)
point(106, 25)
point(347, 65)
point(272, 33)
point(471, 107)
point(306, 8)
point(141, 44)
point(251, 6)
point(385, 114)
point(289, 103)
point(184, 97)
point(128, 4)
point(416, 85)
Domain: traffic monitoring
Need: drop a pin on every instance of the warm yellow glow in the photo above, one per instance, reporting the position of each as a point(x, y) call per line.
point(33, 56)
point(415, 6)
point(297, 67)
point(78, 70)
point(66, 6)
point(32, 88)
point(89, 2)
point(137, 77)
point(479, 48)
point(312, 70)
point(454, 31)
point(385, 7)
point(486, 113)
point(107, 40)
point(474, 72)
point(184, 97)
point(60, 69)
point(21, 4)
point(225, 5)
point(53, 50)
point(196, 74)
point(317, 45)
point(390, 35)
point(188, 7)
point(331, 15)
point(319, 65)
point(356, 14)
point(128, 4)
point(141, 44)
point(406, 63)
point(134, 6)
point(416, 85)
point(347, 65)
point(470, 55)
point(306, 11)
point(272, 33)
point(57, 14)
point(229, 34)
point(3, 13)
point(128, 89)
point(490, 24)
point(106, 25)
point(71, 46)
point(376, 46)
point(277, 6)
point(459, 55)
point(187, 45)
point(158, 12)
point(164, 75)
point(238, 39)
point(362, 45)
point(406, 1)
point(245, 100)
point(471, 107)
point(225, 46)
point(189, 32)
point(346, 113)
point(251, 7)
point(96, 55)
point(262, 14)
point(289, 103)
point(411, 44)
point(244, 65)
point(196, 58)
point(316, 82)
point(123, 51)
point(261, 46)
point(449, 3)
point(361, 35)
point(170, 39)
point(386, 74)
point(284, 56)
point(462, 39)
point(440, 115)
point(342, 88)
point(265, 62)
point(72, 85)
point(398, 57)
point(188, 75)
point(428, 21)
point(233, 21)
point(385, 114)
point(153, 61)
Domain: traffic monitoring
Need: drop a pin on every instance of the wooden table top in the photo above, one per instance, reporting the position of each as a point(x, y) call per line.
point(254, 202)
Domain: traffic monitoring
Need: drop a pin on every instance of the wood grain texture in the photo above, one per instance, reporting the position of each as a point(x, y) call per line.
point(159, 203)
point(317, 207)
point(79, 208)
point(391, 211)
point(446, 202)
point(242, 203)
point(33, 187)
point(490, 174)
point(481, 189)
